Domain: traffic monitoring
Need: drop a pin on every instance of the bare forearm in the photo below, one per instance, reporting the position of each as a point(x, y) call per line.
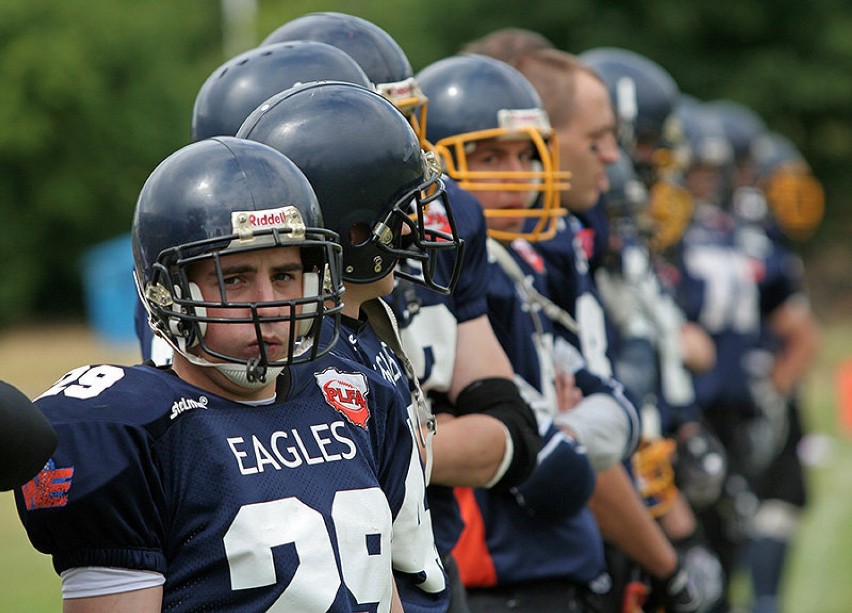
point(699, 353)
point(468, 450)
point(796, 327)
point(479, 355)
point(624, 521)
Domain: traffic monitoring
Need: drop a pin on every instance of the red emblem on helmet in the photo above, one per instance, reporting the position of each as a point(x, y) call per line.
point(346, 392)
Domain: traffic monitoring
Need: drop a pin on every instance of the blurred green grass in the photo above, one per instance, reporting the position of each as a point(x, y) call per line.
point(818, 574)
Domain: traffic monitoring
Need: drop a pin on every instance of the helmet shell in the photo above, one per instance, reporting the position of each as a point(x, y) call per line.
point(363, 159)
point(241, 84)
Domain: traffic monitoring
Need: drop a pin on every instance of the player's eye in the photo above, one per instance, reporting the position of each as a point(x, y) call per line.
point(283, 277)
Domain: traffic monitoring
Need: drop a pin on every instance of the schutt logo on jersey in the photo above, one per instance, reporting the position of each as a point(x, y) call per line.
point(346, 392)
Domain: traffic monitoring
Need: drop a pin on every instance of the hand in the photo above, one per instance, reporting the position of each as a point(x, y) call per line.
point(767, 432)
point(676, 593)
point(568, 395)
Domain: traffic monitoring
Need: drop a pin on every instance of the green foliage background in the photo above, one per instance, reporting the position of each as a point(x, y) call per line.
point(94, 94)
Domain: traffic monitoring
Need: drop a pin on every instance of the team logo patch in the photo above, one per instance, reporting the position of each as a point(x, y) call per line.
point(435, 218)
point(346, 392)
point(528, 254)
point(49, 488)
point(758, 270)
point(586, 240)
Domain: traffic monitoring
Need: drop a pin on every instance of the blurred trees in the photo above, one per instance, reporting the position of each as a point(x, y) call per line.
point(93, 95)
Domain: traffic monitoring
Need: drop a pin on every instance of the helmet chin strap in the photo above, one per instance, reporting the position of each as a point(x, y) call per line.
point(240, 374)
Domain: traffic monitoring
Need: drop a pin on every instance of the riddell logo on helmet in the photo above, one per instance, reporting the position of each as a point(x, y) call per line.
point(286, 217)
point(346, 392)
point(406, 88)
point(267, 220)
point(518, 119)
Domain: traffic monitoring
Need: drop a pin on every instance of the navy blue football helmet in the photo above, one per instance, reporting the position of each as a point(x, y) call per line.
point(241, 84)
point(741, 124)
point(706, 154)
point(376, 51)
point(223, 196)
point(703, 134)
point(370, 175)
point(627, 196)
point(643, 92)
point(475, 98)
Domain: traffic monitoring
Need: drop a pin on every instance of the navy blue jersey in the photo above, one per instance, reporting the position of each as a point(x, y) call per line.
point(504, 544)
point(782, 268)
point(429, 329)
point(360, 343)
point(597, 220)
point(644, 332)
point(570, 284)
point(304, 504)
point(504, 541)
point(718, 286)
point(534, 343)
point(428, 320)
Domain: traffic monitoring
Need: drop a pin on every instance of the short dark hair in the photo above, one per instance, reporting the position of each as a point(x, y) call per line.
point(507, 43)
point(553, 75)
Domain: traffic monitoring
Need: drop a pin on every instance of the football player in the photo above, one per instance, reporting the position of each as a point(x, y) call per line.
point(776, 197)
point(486, 122)
point(736, 283)
point(365, 188)
point(487, 433)
point(231, 92)
point(258, 471)
point(577, 101)
point(370, 204)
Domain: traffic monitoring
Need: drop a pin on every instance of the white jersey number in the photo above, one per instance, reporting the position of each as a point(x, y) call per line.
point(257, 528)
point(730, 295)
point(590, 316)
point(86, 381)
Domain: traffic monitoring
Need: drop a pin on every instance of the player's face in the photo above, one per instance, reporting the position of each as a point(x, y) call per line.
point(587, 145)
point(502, 156)
point(266, 275)
point(704, 183)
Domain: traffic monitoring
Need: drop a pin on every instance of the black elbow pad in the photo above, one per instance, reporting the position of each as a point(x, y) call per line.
point(500, 398)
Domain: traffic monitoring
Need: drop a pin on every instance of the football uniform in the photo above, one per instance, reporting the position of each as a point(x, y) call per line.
point(303, 504)
point(644, 331)
point(783, 477)
point(428, 328)
point(506, 541)
point(569, 259)
point(571, 285)
point(717, 285)
point(728, 281)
